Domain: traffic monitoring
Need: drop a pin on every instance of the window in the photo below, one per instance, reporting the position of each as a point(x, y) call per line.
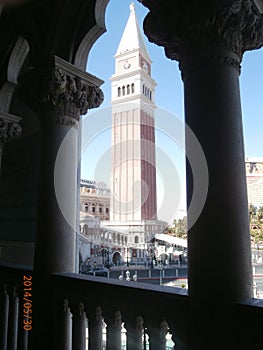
point(128, 89)
point(123, 90)
point(132, 88)
point(107, 210)
point(119, 91)
point(93, 208)
point(85, 229)
point(136, 239)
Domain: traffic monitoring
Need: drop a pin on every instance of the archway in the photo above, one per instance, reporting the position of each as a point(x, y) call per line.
point(116, 258)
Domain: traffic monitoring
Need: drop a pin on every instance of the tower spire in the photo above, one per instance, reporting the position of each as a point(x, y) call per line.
point(132, 37)
point(132, 6)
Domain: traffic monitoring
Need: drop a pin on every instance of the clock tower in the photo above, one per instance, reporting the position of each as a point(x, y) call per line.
point(133, 175)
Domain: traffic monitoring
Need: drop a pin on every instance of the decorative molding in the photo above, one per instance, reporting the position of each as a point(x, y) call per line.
point(60, 93)
point(9, 127)
point(234, 25)
point(191, 64)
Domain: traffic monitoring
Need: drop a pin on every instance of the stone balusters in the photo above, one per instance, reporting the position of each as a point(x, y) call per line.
point(157, 332)
point(13, 321)
point(4, 320)
point(135, 329)
point(95, 330)
point(66, 335)
point(79, 328)
point(114, 328)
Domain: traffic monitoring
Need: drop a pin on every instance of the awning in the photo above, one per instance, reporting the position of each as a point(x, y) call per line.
point(171, 239)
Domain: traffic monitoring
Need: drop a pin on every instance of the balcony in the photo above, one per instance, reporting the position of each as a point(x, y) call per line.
point(44, 82)
point(77, 303)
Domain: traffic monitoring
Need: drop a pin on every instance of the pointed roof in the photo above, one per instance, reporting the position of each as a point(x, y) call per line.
point(132, 37)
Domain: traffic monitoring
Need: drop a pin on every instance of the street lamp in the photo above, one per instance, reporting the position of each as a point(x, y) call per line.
point(127, 256)
point(160, 267)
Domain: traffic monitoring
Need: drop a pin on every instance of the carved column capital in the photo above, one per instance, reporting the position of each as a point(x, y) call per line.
point(60, 93)
point(9, 127)
point(180, 27)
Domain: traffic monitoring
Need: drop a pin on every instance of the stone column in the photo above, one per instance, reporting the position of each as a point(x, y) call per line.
point(208, 38)
point(59, 93)
point(9, 129)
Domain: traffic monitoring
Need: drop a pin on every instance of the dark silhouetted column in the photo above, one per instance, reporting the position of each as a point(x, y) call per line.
point(208, 39)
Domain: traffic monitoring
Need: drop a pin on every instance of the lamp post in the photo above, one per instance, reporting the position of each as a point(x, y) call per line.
point(127, 256)
point(108, 257)
point(160, 267)
point(103, 256)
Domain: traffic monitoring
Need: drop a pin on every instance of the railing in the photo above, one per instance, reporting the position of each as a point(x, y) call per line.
point(84, 310)
point(142, 308)
point(13, 335)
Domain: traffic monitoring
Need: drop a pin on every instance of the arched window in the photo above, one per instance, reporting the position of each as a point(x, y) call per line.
point(85, 229)
point(119, 91)
point(147, 92)
point(143, 89)
point(150, 95)
point(123, 90)
point(132, 88)
point(128, 89)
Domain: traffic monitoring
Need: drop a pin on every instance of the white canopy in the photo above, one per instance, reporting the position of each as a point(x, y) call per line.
point(171, 239)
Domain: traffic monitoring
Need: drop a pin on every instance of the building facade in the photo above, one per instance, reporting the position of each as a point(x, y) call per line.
point(95, 199)
point(254, 175)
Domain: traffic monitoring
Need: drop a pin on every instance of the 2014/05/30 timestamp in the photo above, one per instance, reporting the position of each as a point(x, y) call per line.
point(27, 306)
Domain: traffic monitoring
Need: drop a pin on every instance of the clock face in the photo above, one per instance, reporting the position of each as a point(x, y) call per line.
point(126, 65)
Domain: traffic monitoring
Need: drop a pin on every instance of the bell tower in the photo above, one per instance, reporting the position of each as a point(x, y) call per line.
point(133, 176)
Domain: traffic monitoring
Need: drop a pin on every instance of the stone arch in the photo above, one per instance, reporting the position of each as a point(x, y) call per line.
point(116, 257)
point(16, 61)
point(93, 34)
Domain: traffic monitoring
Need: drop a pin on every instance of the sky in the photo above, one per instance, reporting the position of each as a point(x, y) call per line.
point(95, 162)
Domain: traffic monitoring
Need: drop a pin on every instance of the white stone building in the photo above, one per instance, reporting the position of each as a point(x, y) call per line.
point(254, 175)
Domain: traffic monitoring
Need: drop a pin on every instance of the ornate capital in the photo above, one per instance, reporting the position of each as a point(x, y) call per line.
point(60, 94)
point(9, 127)
point(180, 26)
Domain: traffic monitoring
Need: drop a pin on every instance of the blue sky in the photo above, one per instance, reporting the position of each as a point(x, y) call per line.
point(169, 96)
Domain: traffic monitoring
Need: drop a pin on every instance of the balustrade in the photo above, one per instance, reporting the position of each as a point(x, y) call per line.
point(95, 313)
